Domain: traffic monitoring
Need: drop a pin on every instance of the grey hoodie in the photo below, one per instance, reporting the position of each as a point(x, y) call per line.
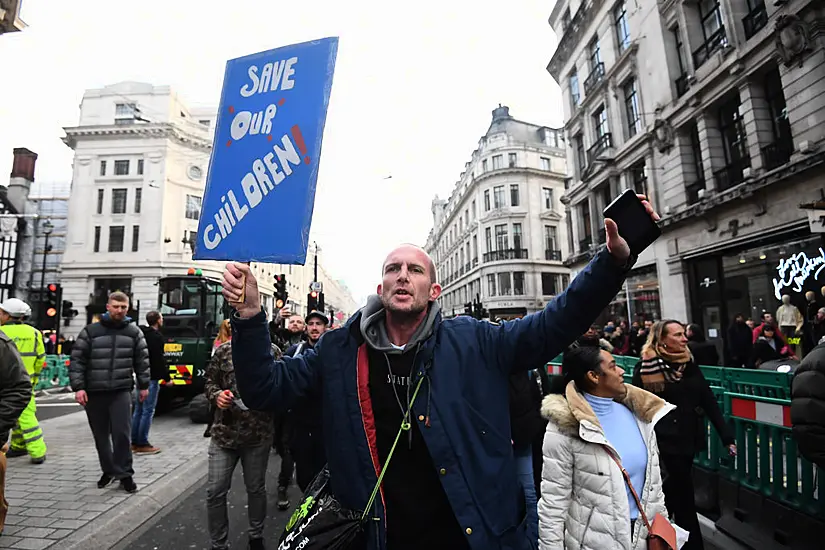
point(374, 330)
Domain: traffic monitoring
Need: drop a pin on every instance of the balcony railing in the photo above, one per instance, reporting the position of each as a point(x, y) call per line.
point(508, 254)
point(693, 189)
point(475, 261)
point(776, 154)
point(681, 85)
point(601, 145)
point(714, 42)
point(584, 244)
point(461, 271)
point(594, 78)
point(755, 21)
point(552, 255)
point(467, 266)
point(732, 174)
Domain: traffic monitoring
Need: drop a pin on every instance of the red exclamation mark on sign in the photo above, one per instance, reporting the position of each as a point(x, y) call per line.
point(299, 141)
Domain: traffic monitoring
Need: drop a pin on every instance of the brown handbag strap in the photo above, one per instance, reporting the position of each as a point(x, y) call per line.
point(630, 486)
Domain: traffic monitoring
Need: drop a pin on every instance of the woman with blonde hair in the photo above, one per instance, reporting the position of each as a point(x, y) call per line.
point(667, 370)
point(224, 335)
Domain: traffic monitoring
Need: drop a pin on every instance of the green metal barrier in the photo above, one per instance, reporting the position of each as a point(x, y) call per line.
point(761, 383)
point(55, 373)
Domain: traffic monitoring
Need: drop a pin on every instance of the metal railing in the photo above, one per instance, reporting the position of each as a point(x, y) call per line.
point(594, 78)
point(755, 21)
point(507, 254)
point(604, 142)
point(776, 154)
point(552, 255)
point(714, 43)
point(732, 174)
point(681, 85)
point(693, 189)
point(584, 244)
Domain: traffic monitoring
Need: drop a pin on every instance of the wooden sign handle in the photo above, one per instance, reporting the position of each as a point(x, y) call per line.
point(242, 298)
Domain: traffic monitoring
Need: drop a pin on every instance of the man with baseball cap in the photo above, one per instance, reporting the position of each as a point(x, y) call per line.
point(307, 447)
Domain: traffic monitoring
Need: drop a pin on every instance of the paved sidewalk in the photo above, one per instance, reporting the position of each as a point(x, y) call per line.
point(58, 505)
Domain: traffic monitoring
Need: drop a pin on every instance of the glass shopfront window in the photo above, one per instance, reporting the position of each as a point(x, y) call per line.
point(642, 289)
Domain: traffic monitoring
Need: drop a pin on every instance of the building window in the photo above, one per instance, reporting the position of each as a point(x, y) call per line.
point(488, 239)
point(205, 122)
point(484, 165)
point(565, 19)
point(517, 236)
point(574, 88)
point(735, 145)
point(116, 238)
point(548, 284)
point(756, 19)
point(600, 122)
point(681, 81)
point(97, 239)
point(594, 53)
point(622, 30)
point(514, 196)
point(712, 31)
point(475, 247)
point(100, 201)
point(779, 152)
point(125, 109)
point(102, 167)
point(138, 199)
point(473, 210)
point(585, 229)
point(545, 163)
point(581, 159)
point(631, 105)
point(491, 284)
point(551, 237)
point(119, 201)
point(498, 162)
point(504, 288)
point(638, 178)
point(193, 207)
point(498, 196)
point(135, 237)
point(547, 195)
point(486, 200)
point(467, 218)
point(121, 167)
point(502, 239)
point(518, 283)
point(512, 160)
point(140, 167)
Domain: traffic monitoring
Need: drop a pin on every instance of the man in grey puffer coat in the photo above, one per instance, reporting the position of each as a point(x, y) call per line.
point(105, 359)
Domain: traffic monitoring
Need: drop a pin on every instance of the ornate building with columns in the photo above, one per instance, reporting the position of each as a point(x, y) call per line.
point(729, 96)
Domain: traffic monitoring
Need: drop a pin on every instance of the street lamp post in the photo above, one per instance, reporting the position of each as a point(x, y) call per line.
point(47, 229)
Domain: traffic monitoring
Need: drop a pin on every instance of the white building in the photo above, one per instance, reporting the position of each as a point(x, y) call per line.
point(501, 236)
point(10, 20)
point(141, 156)
point(730, 141)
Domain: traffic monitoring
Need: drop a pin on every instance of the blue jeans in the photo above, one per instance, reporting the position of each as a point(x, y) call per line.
point(143, 414)
point(524, 472)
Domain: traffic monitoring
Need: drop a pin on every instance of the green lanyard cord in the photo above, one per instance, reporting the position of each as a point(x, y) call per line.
point(405, 426)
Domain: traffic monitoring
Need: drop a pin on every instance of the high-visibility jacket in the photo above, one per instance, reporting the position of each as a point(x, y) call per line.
point(29, 344)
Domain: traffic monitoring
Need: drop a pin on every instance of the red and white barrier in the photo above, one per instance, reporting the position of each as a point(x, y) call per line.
point(759, 411)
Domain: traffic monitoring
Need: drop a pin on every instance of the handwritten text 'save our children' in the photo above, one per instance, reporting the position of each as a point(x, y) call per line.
point(284, 155)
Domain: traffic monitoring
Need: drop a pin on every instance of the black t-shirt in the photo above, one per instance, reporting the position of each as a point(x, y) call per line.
point(418, 512)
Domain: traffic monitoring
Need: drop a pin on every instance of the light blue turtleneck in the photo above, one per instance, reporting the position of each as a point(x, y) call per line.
point(622, 431)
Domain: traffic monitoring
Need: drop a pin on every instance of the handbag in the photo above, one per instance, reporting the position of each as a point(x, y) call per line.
point(321, 522)
point(660, 534)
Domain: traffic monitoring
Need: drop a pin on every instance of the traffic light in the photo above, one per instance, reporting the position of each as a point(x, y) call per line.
point(320, 302)
point(312, 301)
point(66, 309)
point(51, 306)
point(280, 291)
point(468, 308)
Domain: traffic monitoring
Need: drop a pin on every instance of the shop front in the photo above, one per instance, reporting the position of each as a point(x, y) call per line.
point(639, 299)
point(752, 278)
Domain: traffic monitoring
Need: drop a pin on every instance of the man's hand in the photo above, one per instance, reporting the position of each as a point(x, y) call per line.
point(81, 397)
point(285, 313)
point(616, 244)
point(142, 395)
point(233, 288)
point(224, 399)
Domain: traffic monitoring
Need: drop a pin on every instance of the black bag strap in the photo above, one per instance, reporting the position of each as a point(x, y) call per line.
point(405, 426)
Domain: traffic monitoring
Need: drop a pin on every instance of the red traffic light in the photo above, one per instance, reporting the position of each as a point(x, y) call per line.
point(279, 304)
point(313, 294)
point(52, 287)
point(51, 312)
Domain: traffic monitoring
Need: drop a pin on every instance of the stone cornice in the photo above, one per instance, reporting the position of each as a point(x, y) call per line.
point(140, 131)
point(573, 36)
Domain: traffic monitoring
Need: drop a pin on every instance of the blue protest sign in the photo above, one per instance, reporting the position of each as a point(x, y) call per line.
point(260, 190)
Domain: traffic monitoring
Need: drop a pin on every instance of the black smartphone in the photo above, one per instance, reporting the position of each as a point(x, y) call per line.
point(635, 224)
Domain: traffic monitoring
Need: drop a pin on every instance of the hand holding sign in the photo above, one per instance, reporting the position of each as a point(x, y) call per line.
point(241, 289)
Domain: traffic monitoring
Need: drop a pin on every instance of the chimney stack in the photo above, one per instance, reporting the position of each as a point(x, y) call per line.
point(22, 177)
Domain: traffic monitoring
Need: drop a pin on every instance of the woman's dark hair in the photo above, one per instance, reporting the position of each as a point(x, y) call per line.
point(696, 333)
point(577, 362)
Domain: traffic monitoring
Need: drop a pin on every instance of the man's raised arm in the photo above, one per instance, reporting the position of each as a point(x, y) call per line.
point(263, 382)
point(537, 338)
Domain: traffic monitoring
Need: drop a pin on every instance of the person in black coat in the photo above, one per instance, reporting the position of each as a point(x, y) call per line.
point(740, 343)
point(667, 370)
point(704, 352)
point(808, 406)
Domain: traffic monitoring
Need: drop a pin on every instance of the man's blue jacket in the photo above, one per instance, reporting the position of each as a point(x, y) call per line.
point(462, 408)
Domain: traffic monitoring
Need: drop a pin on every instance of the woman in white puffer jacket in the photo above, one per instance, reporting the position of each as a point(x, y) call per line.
point(585, 503)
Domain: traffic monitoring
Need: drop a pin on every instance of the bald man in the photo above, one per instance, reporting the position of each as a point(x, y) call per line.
point(451, 482)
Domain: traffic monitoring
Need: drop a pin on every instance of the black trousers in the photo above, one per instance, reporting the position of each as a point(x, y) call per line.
point(679, 496)
point(110, 418)
point(281, 440)
point(308, 452)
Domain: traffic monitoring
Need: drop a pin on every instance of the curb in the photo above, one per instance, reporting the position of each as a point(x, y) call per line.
point(711, 534)
point(130, 515)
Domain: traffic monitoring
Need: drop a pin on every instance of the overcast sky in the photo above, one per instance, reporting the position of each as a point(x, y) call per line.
point(414, 88)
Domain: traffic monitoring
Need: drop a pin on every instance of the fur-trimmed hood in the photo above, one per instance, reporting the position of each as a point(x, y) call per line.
point(570, 410)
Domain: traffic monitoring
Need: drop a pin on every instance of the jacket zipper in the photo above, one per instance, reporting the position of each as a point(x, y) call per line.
point(112, 369)
point(586, 527)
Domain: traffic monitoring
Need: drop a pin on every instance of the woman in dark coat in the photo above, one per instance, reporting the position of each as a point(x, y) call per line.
point(769, 346)
point(704, 352)
point(668, 370)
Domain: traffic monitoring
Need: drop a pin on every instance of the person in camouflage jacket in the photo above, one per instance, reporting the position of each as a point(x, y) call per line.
point(238, 434)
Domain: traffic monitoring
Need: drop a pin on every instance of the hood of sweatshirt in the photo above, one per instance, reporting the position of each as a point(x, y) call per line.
point(374, 329)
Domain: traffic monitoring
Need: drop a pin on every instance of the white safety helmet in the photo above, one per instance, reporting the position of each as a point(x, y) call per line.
point(16, 307)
